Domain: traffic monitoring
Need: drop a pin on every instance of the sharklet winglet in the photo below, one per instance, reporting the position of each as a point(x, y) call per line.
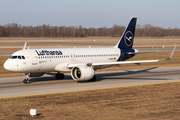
point(170, 56)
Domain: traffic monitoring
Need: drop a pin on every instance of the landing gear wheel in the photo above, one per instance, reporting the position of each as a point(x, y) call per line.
point(26, 81)
point(59, 76)
point(62, 76)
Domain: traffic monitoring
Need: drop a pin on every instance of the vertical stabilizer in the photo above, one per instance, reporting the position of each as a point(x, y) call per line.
point(127, 39)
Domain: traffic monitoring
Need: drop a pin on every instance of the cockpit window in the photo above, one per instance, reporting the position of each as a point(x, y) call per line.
point(14, 57)
point(17, 57)
point(23, 57)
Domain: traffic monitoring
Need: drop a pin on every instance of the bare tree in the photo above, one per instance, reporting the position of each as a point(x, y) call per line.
point(147, 30)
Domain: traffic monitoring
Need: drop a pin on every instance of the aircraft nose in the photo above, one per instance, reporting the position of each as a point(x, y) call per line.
point(7, 65)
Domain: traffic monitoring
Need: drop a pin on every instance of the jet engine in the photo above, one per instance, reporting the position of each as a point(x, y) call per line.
point(82, 73)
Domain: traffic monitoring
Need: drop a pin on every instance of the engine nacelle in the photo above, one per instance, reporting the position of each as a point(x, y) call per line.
point(34, 74)
point(82, 73)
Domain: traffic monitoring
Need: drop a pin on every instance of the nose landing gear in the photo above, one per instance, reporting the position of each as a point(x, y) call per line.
point(27, 80)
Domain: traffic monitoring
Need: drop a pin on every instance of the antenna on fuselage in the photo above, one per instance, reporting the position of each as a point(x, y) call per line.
point(24, 47)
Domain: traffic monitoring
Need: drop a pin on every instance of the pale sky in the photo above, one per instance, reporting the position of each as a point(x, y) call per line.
point(90, 13)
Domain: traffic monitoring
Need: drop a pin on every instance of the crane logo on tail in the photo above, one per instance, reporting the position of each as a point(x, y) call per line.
point(128, 38)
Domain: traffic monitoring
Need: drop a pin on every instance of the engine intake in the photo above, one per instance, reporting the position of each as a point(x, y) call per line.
point(82, 73)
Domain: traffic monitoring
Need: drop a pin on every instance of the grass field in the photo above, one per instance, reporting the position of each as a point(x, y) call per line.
point(153, 102)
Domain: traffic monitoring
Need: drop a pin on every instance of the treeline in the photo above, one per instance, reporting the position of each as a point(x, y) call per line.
point(16, 30)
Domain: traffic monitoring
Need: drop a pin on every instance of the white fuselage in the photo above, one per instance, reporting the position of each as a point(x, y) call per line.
point(47, 60)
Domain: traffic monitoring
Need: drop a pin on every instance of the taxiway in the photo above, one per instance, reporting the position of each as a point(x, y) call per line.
point(10, 87)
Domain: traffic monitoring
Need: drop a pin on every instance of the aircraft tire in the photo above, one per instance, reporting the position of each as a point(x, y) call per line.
point(28, 81)
point(59, 76)
point(24, 81)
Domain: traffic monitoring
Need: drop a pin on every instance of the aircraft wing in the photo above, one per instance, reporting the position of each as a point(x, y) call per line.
point(71, 65)
point(124, 62)
point(142, 52)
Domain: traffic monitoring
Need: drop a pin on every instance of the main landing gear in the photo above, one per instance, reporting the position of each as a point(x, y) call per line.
point(59, 75)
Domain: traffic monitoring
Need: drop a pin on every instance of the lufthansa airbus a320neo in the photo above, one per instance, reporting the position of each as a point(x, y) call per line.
point(81, 62)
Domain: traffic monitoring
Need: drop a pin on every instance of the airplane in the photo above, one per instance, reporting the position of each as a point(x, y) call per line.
point(81, 62)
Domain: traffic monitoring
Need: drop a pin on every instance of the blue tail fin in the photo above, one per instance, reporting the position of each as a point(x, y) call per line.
point(126, 41)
